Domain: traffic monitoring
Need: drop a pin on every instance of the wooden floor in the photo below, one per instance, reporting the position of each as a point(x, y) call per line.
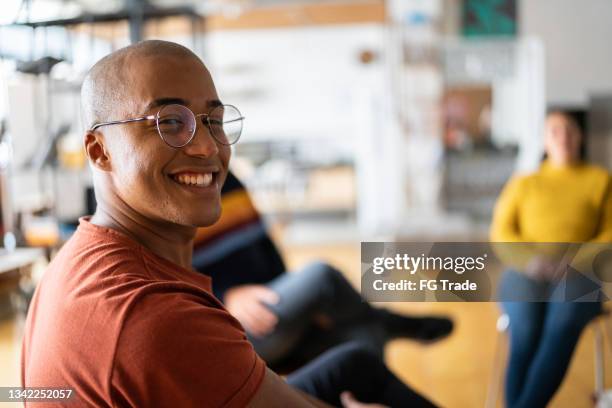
point(453, 373)
point(10, 345)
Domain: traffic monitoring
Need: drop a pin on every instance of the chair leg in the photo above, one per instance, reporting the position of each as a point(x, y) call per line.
point(599, 359)
point(495, 380)
point(607, 323)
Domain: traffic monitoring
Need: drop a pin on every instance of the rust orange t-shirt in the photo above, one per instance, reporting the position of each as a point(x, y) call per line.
point(124, 327)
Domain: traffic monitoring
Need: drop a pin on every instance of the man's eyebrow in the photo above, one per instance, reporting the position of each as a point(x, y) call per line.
point(213, 103)
point(165, 101)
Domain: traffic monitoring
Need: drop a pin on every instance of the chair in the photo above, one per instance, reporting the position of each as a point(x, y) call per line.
point(599, 325)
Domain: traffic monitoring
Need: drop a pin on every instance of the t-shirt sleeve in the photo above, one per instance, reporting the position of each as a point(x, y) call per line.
point(177, 349)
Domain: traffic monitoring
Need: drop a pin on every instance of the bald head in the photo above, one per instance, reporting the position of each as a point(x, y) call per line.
point(105, 93)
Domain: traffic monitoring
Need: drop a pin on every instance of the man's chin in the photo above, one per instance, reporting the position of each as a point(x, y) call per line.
point(205, 220)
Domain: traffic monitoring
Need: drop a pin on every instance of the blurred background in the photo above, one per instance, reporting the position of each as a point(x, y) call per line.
point(366, 120)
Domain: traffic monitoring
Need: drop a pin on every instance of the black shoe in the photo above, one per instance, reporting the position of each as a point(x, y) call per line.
point(426, 329)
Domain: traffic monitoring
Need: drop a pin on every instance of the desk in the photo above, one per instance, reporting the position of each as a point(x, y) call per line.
point(13, 266)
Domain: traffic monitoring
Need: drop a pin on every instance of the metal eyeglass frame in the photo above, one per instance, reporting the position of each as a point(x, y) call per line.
point(156, 118)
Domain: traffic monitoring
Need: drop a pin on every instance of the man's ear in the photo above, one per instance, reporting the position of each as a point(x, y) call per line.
point(96, 150)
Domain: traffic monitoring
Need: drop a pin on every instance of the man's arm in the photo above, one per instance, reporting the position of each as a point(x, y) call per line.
point(175, 350)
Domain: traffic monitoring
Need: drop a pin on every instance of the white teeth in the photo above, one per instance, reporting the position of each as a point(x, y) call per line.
point(208, 178)
point(200, 179)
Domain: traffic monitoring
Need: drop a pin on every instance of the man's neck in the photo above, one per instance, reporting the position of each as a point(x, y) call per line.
point(170, 241)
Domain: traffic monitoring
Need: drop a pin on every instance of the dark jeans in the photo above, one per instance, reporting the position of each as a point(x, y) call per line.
point(356, 368)
point(318, 289)
point(543, 336)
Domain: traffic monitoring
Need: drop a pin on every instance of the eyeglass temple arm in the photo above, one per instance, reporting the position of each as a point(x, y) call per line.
point(116, 122)
point(234, 120)
point(205, 115)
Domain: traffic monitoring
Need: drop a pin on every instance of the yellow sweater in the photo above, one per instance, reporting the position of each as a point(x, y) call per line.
point(555, 204)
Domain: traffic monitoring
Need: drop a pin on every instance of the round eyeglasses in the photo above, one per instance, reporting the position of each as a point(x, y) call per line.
point(176, 124)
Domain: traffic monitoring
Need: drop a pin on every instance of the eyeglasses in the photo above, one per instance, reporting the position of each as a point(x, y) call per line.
point(176, 124)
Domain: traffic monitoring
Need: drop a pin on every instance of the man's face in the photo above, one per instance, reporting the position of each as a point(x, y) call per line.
point(147, 174)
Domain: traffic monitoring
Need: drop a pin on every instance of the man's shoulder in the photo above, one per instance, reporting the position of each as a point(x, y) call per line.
point(165, 307)
point(92, 255)
point(186, 343)
point(177, 316)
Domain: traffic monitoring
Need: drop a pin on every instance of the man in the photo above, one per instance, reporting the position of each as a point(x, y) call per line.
point(290, 318)
point(120, 317)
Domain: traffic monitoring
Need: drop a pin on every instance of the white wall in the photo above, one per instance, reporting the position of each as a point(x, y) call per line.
point(577, 37)
point(295, 83)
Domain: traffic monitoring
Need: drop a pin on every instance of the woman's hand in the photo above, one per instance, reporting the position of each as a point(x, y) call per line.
point(541, 268)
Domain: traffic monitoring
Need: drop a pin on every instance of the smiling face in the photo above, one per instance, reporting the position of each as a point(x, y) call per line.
point(562, 139)
point(162, 183)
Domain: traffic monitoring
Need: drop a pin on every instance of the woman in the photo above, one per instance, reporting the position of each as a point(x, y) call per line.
point(565, 200)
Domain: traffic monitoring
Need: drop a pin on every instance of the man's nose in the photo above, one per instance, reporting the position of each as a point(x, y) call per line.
point(203, 143)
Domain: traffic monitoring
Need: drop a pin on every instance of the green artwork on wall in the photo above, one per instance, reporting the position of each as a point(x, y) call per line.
point(489, 17)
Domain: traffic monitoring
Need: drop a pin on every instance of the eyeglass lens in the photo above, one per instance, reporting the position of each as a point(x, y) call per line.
point(177, 124)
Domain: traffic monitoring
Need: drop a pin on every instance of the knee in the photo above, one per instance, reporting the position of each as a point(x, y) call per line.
point(321, 271)
point(524, 332)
